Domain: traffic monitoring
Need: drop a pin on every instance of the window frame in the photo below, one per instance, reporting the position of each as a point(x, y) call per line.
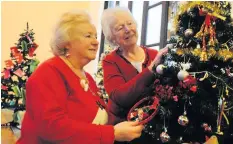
point(164, 23)
point(146, 8)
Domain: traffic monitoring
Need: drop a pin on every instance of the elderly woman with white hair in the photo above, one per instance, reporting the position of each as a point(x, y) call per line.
point(62, 101)
point(127, 70)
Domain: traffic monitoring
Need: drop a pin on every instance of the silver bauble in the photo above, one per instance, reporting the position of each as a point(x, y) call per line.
point(183, 120)
point(188, 32)
point(159, 69)
point(164, 137)
point(182, 74)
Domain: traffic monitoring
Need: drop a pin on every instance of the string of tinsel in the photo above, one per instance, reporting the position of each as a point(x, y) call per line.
point(184, 7)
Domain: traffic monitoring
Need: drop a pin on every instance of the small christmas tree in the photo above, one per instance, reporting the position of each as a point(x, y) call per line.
point(195, 82)
point(15, 74)
point(99, 74)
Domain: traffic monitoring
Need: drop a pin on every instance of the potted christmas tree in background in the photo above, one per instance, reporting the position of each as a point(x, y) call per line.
point(99, 75)
point(15, 74)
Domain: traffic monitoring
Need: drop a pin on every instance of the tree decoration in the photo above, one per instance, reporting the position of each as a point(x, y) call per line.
point(16, 73)
point(194, 82)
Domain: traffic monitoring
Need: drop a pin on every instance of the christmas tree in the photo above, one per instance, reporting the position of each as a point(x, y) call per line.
point(99, 74)
point(15, 74)
point(195, 81)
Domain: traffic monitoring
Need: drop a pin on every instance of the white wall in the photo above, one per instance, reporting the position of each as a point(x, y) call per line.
point(42, 17)
point(96, 9)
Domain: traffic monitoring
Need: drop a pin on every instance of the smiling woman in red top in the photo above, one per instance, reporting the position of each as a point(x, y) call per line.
point(62, 101)
point(128, 69)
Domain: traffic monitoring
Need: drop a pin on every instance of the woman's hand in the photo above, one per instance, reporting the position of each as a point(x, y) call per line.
point(127, 131)
point(157, 59)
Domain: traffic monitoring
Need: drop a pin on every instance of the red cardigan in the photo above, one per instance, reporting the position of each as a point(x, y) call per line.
point(54, 115)
point(124, 85)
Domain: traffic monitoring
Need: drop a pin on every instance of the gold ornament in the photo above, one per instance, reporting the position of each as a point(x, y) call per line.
point(179, 51)
point(227, 92)
point(211, 42)
point(204, 77)
point(211, 52)
point(217, 11)
point(188, 32)
point(214, 86)
point(206, 32)
point(11, 93)
point(15, 78)
point(196, 52)
point(225, 45)
point(183, 120)
point(187, 50)
point(225, 54)
point(218, 16)
point(212, 36)
point(24, 77)
point(216, 41)
point(20, 101)
point(212, 140)
point(164, 137)
point(200, 33)
point(203, 56)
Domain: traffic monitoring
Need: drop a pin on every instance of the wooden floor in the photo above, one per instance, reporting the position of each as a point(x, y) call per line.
point(7, 135)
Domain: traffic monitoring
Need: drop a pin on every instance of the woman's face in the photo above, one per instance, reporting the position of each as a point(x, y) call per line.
point(124, 30)
point(84, 44)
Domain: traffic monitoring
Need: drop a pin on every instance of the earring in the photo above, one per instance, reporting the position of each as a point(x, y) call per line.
point(67, 54)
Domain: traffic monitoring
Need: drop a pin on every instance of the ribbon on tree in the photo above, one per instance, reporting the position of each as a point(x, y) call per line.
point(32, 49)
point(228, 44)
point(30, 40)
point(6, 73)
point(207, 28)
point(4, 87)
point(19, 92)
point(14, 50)
point(190, 83)
point(19, 58)
point(33, 65)
point(9, 64)
point(19, 72)
point(24, 45)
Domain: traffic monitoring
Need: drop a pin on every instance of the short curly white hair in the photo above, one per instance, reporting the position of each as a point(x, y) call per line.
point(107, 21)
point(64, 30)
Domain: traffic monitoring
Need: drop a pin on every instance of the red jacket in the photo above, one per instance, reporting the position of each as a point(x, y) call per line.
point(55, 114)
point(124, 85)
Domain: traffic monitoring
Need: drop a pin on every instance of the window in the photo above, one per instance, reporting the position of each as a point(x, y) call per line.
point(137, 14)
point(154, 24)
point(123, 3)
point(151, 18)
point(153, 2)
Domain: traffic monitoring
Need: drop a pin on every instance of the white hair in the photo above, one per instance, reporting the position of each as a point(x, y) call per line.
point(107, 21)
point(64, 30)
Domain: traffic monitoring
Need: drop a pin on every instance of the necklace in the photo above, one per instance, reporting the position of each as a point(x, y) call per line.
point(80, 73)
point(84, 82)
